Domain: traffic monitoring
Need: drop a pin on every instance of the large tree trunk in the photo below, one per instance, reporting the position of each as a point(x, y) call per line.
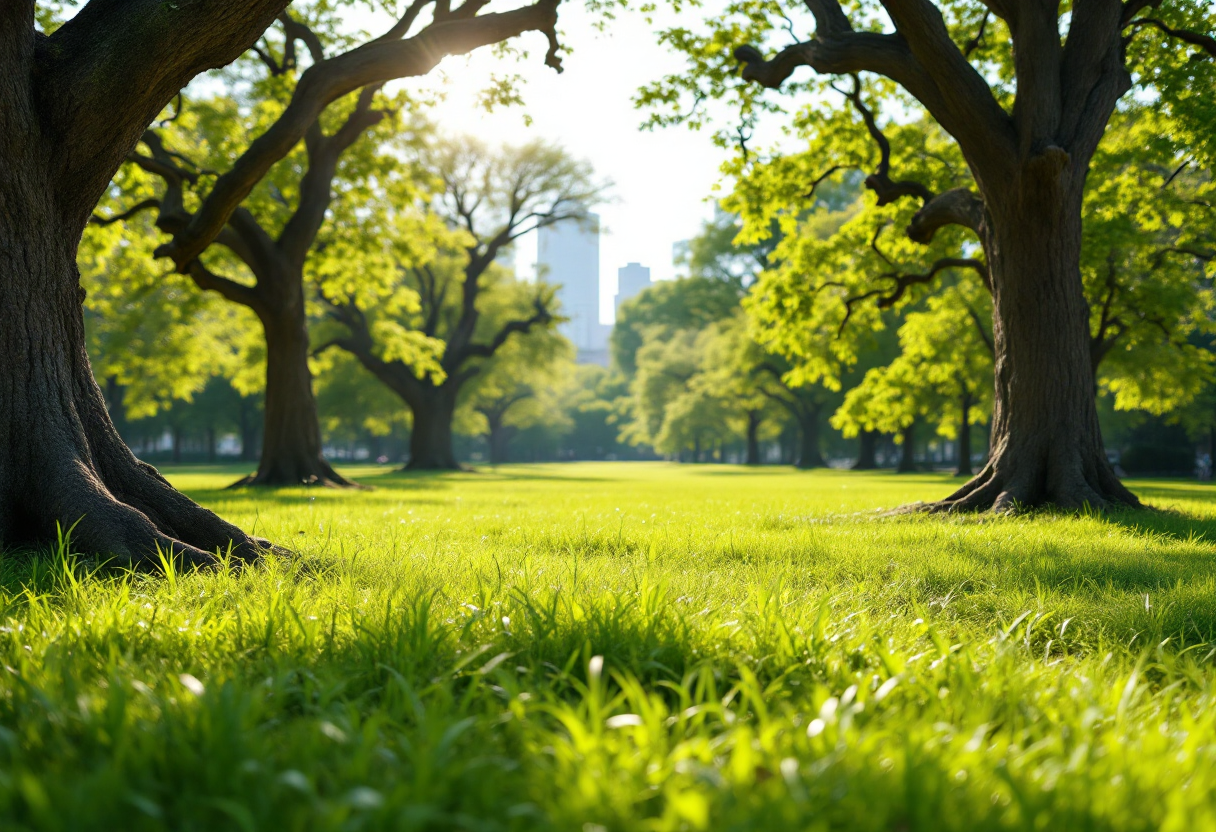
point(964, 437)
point(62, 463)
point(291, 434)
point(1046, 443)
point(907, 451)
point(753, 438)
point(867, 451)
point(809, 455)
point(431, 438)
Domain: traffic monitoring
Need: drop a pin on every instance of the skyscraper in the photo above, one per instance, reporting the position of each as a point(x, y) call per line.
point(631, 280)
point(568, 256)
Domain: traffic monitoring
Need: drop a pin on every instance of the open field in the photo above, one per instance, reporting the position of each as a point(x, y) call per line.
point(624, 646)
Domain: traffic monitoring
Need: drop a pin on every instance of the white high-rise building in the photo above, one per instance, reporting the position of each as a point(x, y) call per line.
point(568, 256)
point(631, 280)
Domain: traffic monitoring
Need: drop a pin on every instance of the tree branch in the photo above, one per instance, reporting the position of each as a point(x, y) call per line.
point(979, 327)
point(316, 186)
point(975, 42)
point(104, 76)
point(903, 281)
point(540, 317)
point(395, 374)
point(403, 25)
point(1205, 42)
point(208, 281)
point(127, 214)
point(295, 30)
point(880, 181)
point(960, 206)
point(372, 63)
point(920, 57)
point(242, 234)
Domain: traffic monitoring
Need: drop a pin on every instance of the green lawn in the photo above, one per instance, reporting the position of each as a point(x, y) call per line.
point(624, 646)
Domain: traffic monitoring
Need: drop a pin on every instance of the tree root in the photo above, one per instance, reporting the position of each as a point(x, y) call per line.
point(135, 516)
point(321, 475)
point(1004, 487)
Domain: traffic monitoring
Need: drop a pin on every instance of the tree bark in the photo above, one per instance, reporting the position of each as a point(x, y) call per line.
point(431, 438)
point(291, 433)
point(62, 463)
point(1046, 442)
point(964, 437)
point(867, 451)
point(72, 106)
point(809, 455)
point(753, 438)
point(907, 451)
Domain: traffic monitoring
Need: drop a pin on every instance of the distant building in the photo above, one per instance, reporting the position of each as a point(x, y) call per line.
point(568, 256)
point(631, 280)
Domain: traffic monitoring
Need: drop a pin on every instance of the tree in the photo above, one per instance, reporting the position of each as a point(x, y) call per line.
point(521, 386)
point(1147, 262)
point(1145, 229)
point(272, 234)
point(489, 198)
point(153, 339)
point(667, 307)
point(667, 409)
point(354, 406)
point(943, 375)
point(1026, 105)
point(77, 100)
point(732, 369)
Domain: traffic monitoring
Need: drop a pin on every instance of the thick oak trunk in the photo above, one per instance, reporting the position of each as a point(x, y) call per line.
point(291, 435)
point(62, 463)
point(867, 451)
point(809, 455)
point(431, 437)
point(1046, 443)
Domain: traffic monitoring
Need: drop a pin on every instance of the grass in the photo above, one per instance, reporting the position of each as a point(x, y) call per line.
point(624, 647)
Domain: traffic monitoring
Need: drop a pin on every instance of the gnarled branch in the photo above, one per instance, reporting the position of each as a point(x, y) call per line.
point(372, 63)
point(903, 281)
point(143, 205)
point(960, 206)
point(208, 280)
point(541, 316)
point(1205, 42)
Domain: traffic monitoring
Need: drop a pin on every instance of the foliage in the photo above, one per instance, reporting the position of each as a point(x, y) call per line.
point(524, 384)
point(1147, 262)
point(150, 331)
point(666, 307)
point(447, 304)
point(625, 647)
point(944, 365)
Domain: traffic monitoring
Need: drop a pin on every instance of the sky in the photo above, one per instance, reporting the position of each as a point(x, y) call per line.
point(663, 179)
